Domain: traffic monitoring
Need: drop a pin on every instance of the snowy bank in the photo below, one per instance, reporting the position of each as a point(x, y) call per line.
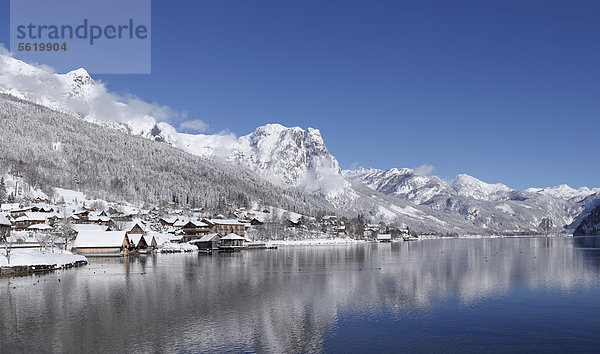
point(29, 260)
point(314, 242)
point(169, 247)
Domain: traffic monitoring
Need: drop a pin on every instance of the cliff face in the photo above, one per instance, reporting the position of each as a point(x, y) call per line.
point(590, 224)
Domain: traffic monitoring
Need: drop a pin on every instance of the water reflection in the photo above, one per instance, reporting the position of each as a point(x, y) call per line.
point(281, 300)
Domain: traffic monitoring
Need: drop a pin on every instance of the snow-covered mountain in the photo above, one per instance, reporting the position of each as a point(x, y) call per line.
point(292, 156)
point(286, 156)
point(485, 206)
point(590, 225)
point(411, 186)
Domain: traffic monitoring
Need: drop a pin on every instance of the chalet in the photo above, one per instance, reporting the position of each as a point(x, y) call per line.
point(151, 241)
point(124, 217)
point(293, 223)
point(43, 200)
point(232, 241)
point(226, 226)
point(384, 238)
point(136, 227)
point(74, 219)
point(330, 220)
point(138, 241)
point(208, 242)
point(26, 219)
point(42, 208)
point(194, 229)
point(256, 221)
point(102, 243)
point(167, 222)
point(4, 224)
point(99, 219)
point(180, 223)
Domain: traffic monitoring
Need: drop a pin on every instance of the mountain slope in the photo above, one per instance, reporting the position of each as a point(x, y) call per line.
point(51, 148)
point(487, 208)
point(590, 224)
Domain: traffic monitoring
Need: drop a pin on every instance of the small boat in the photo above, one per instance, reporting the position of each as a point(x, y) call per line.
point(410, 238)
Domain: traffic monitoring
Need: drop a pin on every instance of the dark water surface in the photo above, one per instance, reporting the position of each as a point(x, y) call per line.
point(477, 295)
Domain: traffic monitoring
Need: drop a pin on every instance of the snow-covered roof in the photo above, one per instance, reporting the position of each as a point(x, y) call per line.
point(149, 239)
point(232, 236)
point(197, 223)
point(180, 222)
point(88, 227)
point(102, 239)
point(130, 225)
point(384, 237)
point(207, 238)
point(169, 220)
point(135, 238)
point(100, 218)
point(4, 221)
point(223, 221)
point(35, 216)
point(9, 206)
point(39, 227)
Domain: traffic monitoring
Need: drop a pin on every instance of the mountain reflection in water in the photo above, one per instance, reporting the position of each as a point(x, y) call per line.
point(302, 299)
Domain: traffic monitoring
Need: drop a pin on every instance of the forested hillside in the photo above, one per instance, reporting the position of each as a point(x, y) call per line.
point(54, 149)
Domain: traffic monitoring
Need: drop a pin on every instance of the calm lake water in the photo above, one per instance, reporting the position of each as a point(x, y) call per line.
point(492, 295)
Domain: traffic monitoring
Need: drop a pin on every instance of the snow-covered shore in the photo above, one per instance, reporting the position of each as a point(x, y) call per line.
point(35, 258)
point(314, 242)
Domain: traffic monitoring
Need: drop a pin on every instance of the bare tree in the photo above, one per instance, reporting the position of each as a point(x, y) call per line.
point(5, 237)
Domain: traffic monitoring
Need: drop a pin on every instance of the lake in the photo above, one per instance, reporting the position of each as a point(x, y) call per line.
point(449, 295)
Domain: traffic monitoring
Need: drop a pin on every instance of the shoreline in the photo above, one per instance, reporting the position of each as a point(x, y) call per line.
point(29, 261)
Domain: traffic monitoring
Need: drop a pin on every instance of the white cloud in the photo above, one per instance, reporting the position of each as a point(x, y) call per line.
point(195, 125)
point(39, 83)
point(424, 170)
point(355, 165)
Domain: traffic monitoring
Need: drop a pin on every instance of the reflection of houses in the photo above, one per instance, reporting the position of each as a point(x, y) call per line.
point(208, 242)
point(194, 229)
point(232, 241)
point(225, 226)
point(102, 243)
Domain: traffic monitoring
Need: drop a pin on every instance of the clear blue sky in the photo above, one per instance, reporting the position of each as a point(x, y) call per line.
point(507, 91)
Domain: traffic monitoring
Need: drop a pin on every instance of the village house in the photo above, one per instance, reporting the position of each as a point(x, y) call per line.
point(142, 243)
point(99, 219)
point(194, 229)
point(102, 243)
point(5, 224)
point(26, 219)
point(208, 242)
point(136, 227)
point(167, 221)
point(226, 226)
point(232, 241)
point(384, 238)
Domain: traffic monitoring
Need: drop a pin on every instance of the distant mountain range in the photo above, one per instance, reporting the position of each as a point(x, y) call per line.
point(296, 157)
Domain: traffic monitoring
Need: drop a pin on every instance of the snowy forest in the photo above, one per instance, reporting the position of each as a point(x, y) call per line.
point(54, 149)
